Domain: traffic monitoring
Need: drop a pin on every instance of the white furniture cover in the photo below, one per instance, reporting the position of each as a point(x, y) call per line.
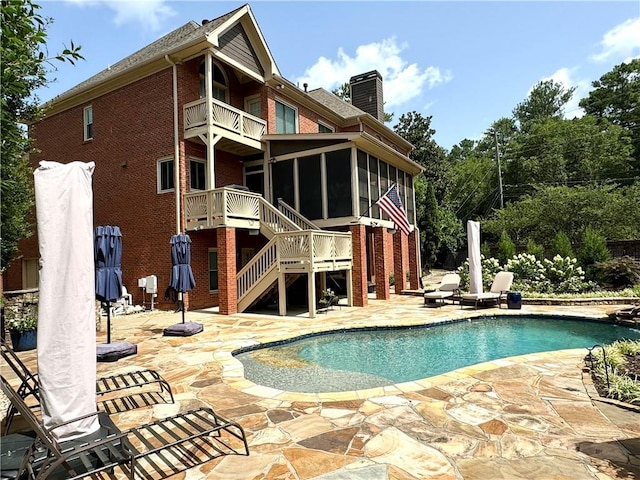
point(66, 312)
point(475, 261)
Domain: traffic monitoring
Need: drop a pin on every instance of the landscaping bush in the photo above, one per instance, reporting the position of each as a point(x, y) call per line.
point(534, 249)
point(506, 247)
point(619, 272)
point(564, 275)
point(562, 246)
point(593, 250)
point(622, 371)
point(490, 266)
point(528, 272)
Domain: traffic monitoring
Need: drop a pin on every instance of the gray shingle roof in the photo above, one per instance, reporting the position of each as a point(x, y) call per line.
point(181, 36)
point(335, 103)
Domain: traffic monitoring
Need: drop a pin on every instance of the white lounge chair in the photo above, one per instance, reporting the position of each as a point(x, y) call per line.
point(449, 285)
point(500, 286)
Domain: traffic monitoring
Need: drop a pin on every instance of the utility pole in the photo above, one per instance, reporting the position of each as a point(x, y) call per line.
point(495, 136)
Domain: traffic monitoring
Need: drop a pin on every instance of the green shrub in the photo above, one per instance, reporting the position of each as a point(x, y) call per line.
point(619, 272)
point(562, 246)
point(490, 266)
point(621, 385)
point(528, 272)
point(534, 249)
point(593, 250)
point(506, 247)
point(564, 275)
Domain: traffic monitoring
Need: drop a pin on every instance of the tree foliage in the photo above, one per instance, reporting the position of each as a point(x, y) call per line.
point(616, 97)
point(546, 100)
point(23, 69)
point(611, 210)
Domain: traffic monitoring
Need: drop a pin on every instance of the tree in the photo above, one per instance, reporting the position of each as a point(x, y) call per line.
point(428, 224)
point(416, 129)
point(616, 98)
point(23, 70)
point(546, 100)
point(506, 247)
point(562, 246)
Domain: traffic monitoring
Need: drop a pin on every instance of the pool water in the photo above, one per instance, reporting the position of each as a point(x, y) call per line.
point(357, 359)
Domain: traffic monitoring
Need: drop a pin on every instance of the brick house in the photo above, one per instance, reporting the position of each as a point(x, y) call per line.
point(275, 185)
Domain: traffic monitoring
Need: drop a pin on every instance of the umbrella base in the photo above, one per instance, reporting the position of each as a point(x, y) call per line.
point(114, 351)
point(183, 329)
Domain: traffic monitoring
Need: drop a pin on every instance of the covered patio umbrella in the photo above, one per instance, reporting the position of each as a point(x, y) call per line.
point(107, 250)
point(66, 309)
point(182, 281)
point(475, 260)
point(108, 260)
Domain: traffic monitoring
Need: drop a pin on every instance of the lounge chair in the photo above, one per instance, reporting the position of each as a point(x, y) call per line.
point(499, 288)
point(130, 384)
point(166, 446)
point(448, 287)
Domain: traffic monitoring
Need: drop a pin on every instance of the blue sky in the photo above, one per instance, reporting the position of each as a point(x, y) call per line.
point(466, 64)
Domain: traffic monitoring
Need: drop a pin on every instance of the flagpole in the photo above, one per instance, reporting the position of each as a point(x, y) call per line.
point(372, 203)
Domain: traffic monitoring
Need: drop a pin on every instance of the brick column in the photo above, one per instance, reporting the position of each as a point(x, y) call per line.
point(359, 269)
point(381, 252)
point(415, 269)
point(227, 286)
point(400, 260)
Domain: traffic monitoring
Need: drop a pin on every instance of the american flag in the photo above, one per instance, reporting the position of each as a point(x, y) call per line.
point(391, 204)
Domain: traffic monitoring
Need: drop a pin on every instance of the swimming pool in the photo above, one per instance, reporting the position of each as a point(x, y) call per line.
point(366, 358)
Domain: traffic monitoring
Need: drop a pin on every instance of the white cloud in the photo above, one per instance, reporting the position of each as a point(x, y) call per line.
point(148, 14)
point(565, 76)
point(402, 81)
point(621, 42)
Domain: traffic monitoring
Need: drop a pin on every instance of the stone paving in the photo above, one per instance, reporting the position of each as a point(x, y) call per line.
point(527, 417)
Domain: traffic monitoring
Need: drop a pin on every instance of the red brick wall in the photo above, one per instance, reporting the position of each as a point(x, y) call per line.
point(307, 119)
point(414, 264)
point(359, 270)
point(228, 294)
point(133, 128)
point(382, 253)
point(400, 260)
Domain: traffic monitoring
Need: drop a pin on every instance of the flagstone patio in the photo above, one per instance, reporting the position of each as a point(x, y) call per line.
point(527, 417)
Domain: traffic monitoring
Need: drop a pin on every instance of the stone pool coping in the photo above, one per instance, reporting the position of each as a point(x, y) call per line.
point(233, 370)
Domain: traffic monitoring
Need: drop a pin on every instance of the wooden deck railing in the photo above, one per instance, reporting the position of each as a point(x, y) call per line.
point(225, 116)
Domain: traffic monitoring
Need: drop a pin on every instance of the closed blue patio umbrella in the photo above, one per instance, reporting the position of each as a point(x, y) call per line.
point(182, 281)
point(181, 274)
point(108, 259)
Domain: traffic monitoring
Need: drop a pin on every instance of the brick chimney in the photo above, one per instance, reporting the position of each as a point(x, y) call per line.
point(366, 93)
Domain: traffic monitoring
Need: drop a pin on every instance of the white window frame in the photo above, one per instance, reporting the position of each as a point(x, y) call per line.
point(296, 114)
point(251, 100)
point(209, 251)
point(203, 162)
point(86, 113)
point(159, 174)
point(325, 125)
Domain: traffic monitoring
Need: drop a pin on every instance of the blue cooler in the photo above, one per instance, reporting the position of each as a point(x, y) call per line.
point(514, 300)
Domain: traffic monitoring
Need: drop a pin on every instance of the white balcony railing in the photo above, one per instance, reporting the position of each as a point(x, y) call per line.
point(225, 116)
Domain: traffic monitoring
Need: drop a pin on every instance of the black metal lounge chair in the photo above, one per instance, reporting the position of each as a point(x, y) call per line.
point(165, 447)
point(45, 457)
point(131, 383)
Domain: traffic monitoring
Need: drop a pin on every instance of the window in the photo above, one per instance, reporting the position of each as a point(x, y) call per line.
point(30, 273)
point(286, 118)
point(197, 174)
point(322, 128)
point(88, 123)
point(309, 187)
point(339, 183)
point(213, 269)
point(253, 106)
point(165, 175)
point(282, 177)
point(219, 86)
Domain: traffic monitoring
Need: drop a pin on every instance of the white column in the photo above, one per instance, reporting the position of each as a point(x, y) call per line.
point(349, 288)
point(311, 284)
point(282, 294)
point(211, 149)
